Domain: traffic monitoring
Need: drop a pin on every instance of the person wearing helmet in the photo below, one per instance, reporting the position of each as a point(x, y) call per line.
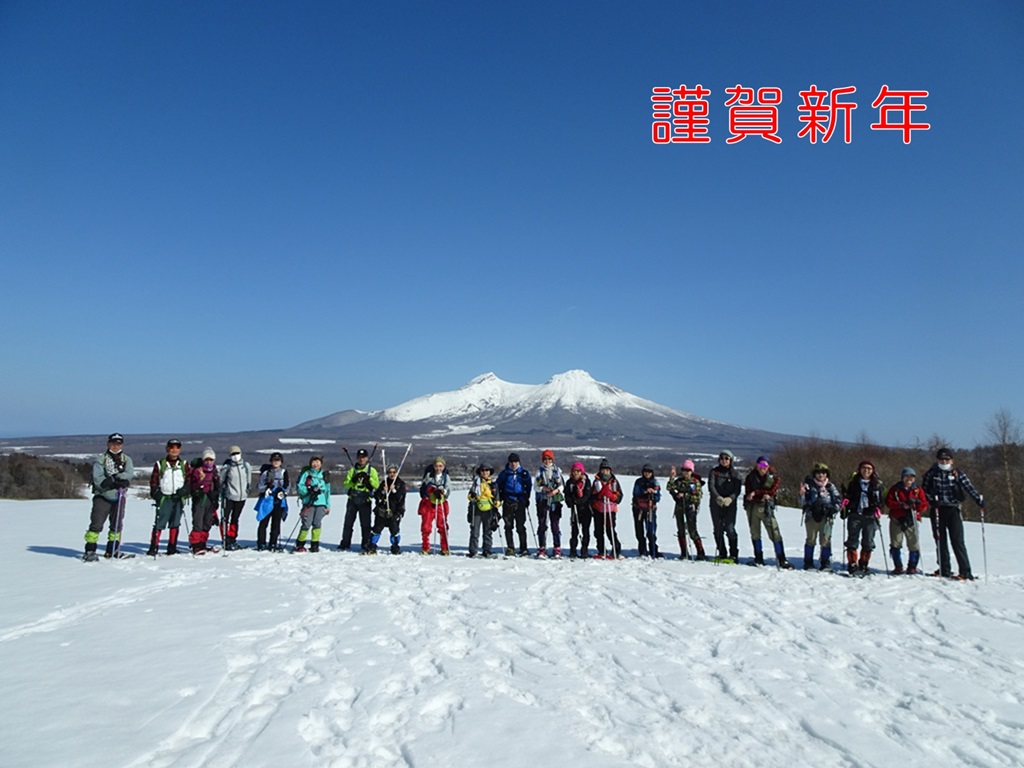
point(821, 500)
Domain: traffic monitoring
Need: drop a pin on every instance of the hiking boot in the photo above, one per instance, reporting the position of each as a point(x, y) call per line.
point(395, 549)
point(556, 552)
point(91, 556)
point(300, 547)
point(314, 546)
point(510, 552)
point(898, 570)
point(912, 570)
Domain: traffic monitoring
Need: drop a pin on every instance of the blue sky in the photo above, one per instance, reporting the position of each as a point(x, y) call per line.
point(226, 216)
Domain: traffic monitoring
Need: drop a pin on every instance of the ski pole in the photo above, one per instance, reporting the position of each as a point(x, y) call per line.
point(188, 534)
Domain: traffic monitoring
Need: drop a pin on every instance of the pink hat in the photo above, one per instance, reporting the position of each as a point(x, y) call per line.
point(579, 465)
point(688, 464)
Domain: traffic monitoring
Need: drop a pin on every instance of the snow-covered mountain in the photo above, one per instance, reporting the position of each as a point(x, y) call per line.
point(571, 410)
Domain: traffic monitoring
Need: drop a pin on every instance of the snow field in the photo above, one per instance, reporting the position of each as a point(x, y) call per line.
point(255, 659)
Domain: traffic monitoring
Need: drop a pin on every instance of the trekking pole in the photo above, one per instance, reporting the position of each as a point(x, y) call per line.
point(984, 547)
point(402, 462)
point(121, 502)
point(885, 555)
point(295, 528)
point(188, 534)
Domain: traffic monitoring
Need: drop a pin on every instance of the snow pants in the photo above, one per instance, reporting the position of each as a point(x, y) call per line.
point(645, 526)
point(604, 523)
point(434, 516)
point(951, 533)
point(104, 512)
point(818, 531)
point(358, 506)
point(552, 510)
point(514, 514)
point(686, 521)
point(273, 520)
point(580, 519)
point(723, 520)
point(861, 528)
point(168, 513)
point(758, 514)
point(232, 515)
point(204, 509)
point(311, 519)
point(897, 532)
point(482, 524)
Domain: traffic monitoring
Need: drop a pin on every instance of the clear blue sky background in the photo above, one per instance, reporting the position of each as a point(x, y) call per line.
point(222, 216)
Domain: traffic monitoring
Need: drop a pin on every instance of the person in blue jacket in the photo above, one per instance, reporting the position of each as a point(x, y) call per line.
point(514, 488)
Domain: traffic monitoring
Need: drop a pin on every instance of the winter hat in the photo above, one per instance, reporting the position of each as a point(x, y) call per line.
point(820, 466)
point(439, 460)
point(362, 454)
point(209, 454)
point(547, 454)
point(762, 461)
point(393, 466)
point(513, 457)
point(944, 454)
point(173, 443)
point(604, 464)
point(646, 468)
point(688, 464)
point(579, 465)
point(908, 471)
point(728, 454)
point(486, 468)
point(234, 449)
point(865, 463)
point(276, 456)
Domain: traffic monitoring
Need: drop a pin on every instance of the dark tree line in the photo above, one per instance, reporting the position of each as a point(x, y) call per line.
point(29, 477)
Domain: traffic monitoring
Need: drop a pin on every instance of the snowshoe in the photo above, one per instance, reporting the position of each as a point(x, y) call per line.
point(90, 557)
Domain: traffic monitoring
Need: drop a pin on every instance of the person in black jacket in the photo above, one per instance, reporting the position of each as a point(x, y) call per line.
point(862, 509)
point(577, 499)
point(725, 486)
point(946, 487)
point(390, 508)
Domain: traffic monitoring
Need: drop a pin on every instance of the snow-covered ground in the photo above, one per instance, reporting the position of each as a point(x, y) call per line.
point(256, 659)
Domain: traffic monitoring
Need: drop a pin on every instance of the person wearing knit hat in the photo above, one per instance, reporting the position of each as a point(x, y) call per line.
point(686, 489)
point(204, 486)
point(946, 488)
point(235, 485)
point(605, 497)
point(433, 509)
point(577, 499)
point(725, 487)
point(646, 495)
point(821, 500)
point(762, 483)
point(514, 490)
point(905, 501)
point(549, 486)
point(168, 487)
point(865, 497)
point(361, 482)
point(111, 476)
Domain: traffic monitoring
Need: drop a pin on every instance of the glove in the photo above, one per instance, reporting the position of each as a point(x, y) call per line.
point(495, 522)
point(154, 494)
point(108, 484)
point(216, 518)
point(878, 514)
point(181, 493)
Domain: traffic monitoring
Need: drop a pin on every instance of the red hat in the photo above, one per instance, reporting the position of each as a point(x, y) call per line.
point(547, 454)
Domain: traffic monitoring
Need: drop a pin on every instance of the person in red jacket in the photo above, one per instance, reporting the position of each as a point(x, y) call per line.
point(762, 484)
point(906, 501)
point(605, 497)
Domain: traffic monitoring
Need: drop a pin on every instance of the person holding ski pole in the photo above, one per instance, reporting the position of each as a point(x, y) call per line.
point(865, 496)
point(273, 486)
point(577, 498)
point(483, 511)
point(111, 476)
point(314, 489)
point(360, 482)
point(390, 509)
point(686, 489)
point(906, 501)
point(548, 488)
point(946, 488)
point(821, 500)
point(204, 487)
point(433, 509)
point(168, 488)
point(605, 497)
point(514, 487)
point(646, 495)
point(235, 485)
point(762, 484)
point(725, 487)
